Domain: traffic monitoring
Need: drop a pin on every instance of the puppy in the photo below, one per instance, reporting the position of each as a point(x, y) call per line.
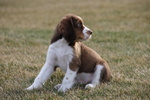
point(80, 63)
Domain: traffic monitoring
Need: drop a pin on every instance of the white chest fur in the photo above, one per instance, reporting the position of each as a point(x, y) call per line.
point(63, 53)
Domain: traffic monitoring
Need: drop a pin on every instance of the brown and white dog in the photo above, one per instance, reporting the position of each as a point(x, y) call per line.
point(80, 63)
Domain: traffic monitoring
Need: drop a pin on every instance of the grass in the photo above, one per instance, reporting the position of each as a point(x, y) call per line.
point(121, 35)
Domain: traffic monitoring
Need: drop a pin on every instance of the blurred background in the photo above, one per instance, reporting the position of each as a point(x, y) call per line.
point(109, 15)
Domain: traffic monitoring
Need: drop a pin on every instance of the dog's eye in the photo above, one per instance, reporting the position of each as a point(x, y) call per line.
point(79, 25)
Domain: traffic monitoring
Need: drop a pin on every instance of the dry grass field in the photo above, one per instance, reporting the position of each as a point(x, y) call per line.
point(121, 35)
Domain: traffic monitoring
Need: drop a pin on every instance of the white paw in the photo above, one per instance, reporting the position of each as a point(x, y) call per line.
point(34, 86)
point(57, 86)
point(30, 88)
point(88, 86)
point(62, 89)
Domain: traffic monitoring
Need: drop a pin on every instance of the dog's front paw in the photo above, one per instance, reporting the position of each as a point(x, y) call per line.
point(34, 86)
point(57, 86)
point(30, 88)
point(63, 89)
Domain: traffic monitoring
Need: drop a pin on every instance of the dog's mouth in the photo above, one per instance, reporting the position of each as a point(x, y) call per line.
point(87, 33)
point(86, 37)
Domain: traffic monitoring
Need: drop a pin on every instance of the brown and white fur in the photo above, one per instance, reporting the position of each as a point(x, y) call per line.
point(80, 63)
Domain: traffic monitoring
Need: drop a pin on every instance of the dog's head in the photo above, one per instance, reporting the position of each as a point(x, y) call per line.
point(72, 28)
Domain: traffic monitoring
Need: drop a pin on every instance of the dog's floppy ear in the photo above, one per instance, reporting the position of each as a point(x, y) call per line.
point(58, 33)
point(65, 29)
point(69, 31)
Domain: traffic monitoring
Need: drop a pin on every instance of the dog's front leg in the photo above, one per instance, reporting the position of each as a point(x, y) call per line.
point(68, 80)
point(45, 72)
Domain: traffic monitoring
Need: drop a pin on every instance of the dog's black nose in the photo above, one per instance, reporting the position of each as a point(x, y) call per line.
point(89, 32)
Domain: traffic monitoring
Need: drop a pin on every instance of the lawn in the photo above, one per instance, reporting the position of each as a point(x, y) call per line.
point(121, 35)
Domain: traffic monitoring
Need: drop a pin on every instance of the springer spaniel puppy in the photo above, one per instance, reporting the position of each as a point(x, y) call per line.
point(80, 63)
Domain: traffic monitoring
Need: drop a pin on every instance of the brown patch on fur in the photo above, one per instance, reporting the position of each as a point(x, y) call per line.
point(76, 62)
point(80, 36)
point(85, 60)
point(89, 59)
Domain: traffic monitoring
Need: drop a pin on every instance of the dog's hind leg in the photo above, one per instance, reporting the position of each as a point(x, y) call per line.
point(101, 75)
point(96, 77)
